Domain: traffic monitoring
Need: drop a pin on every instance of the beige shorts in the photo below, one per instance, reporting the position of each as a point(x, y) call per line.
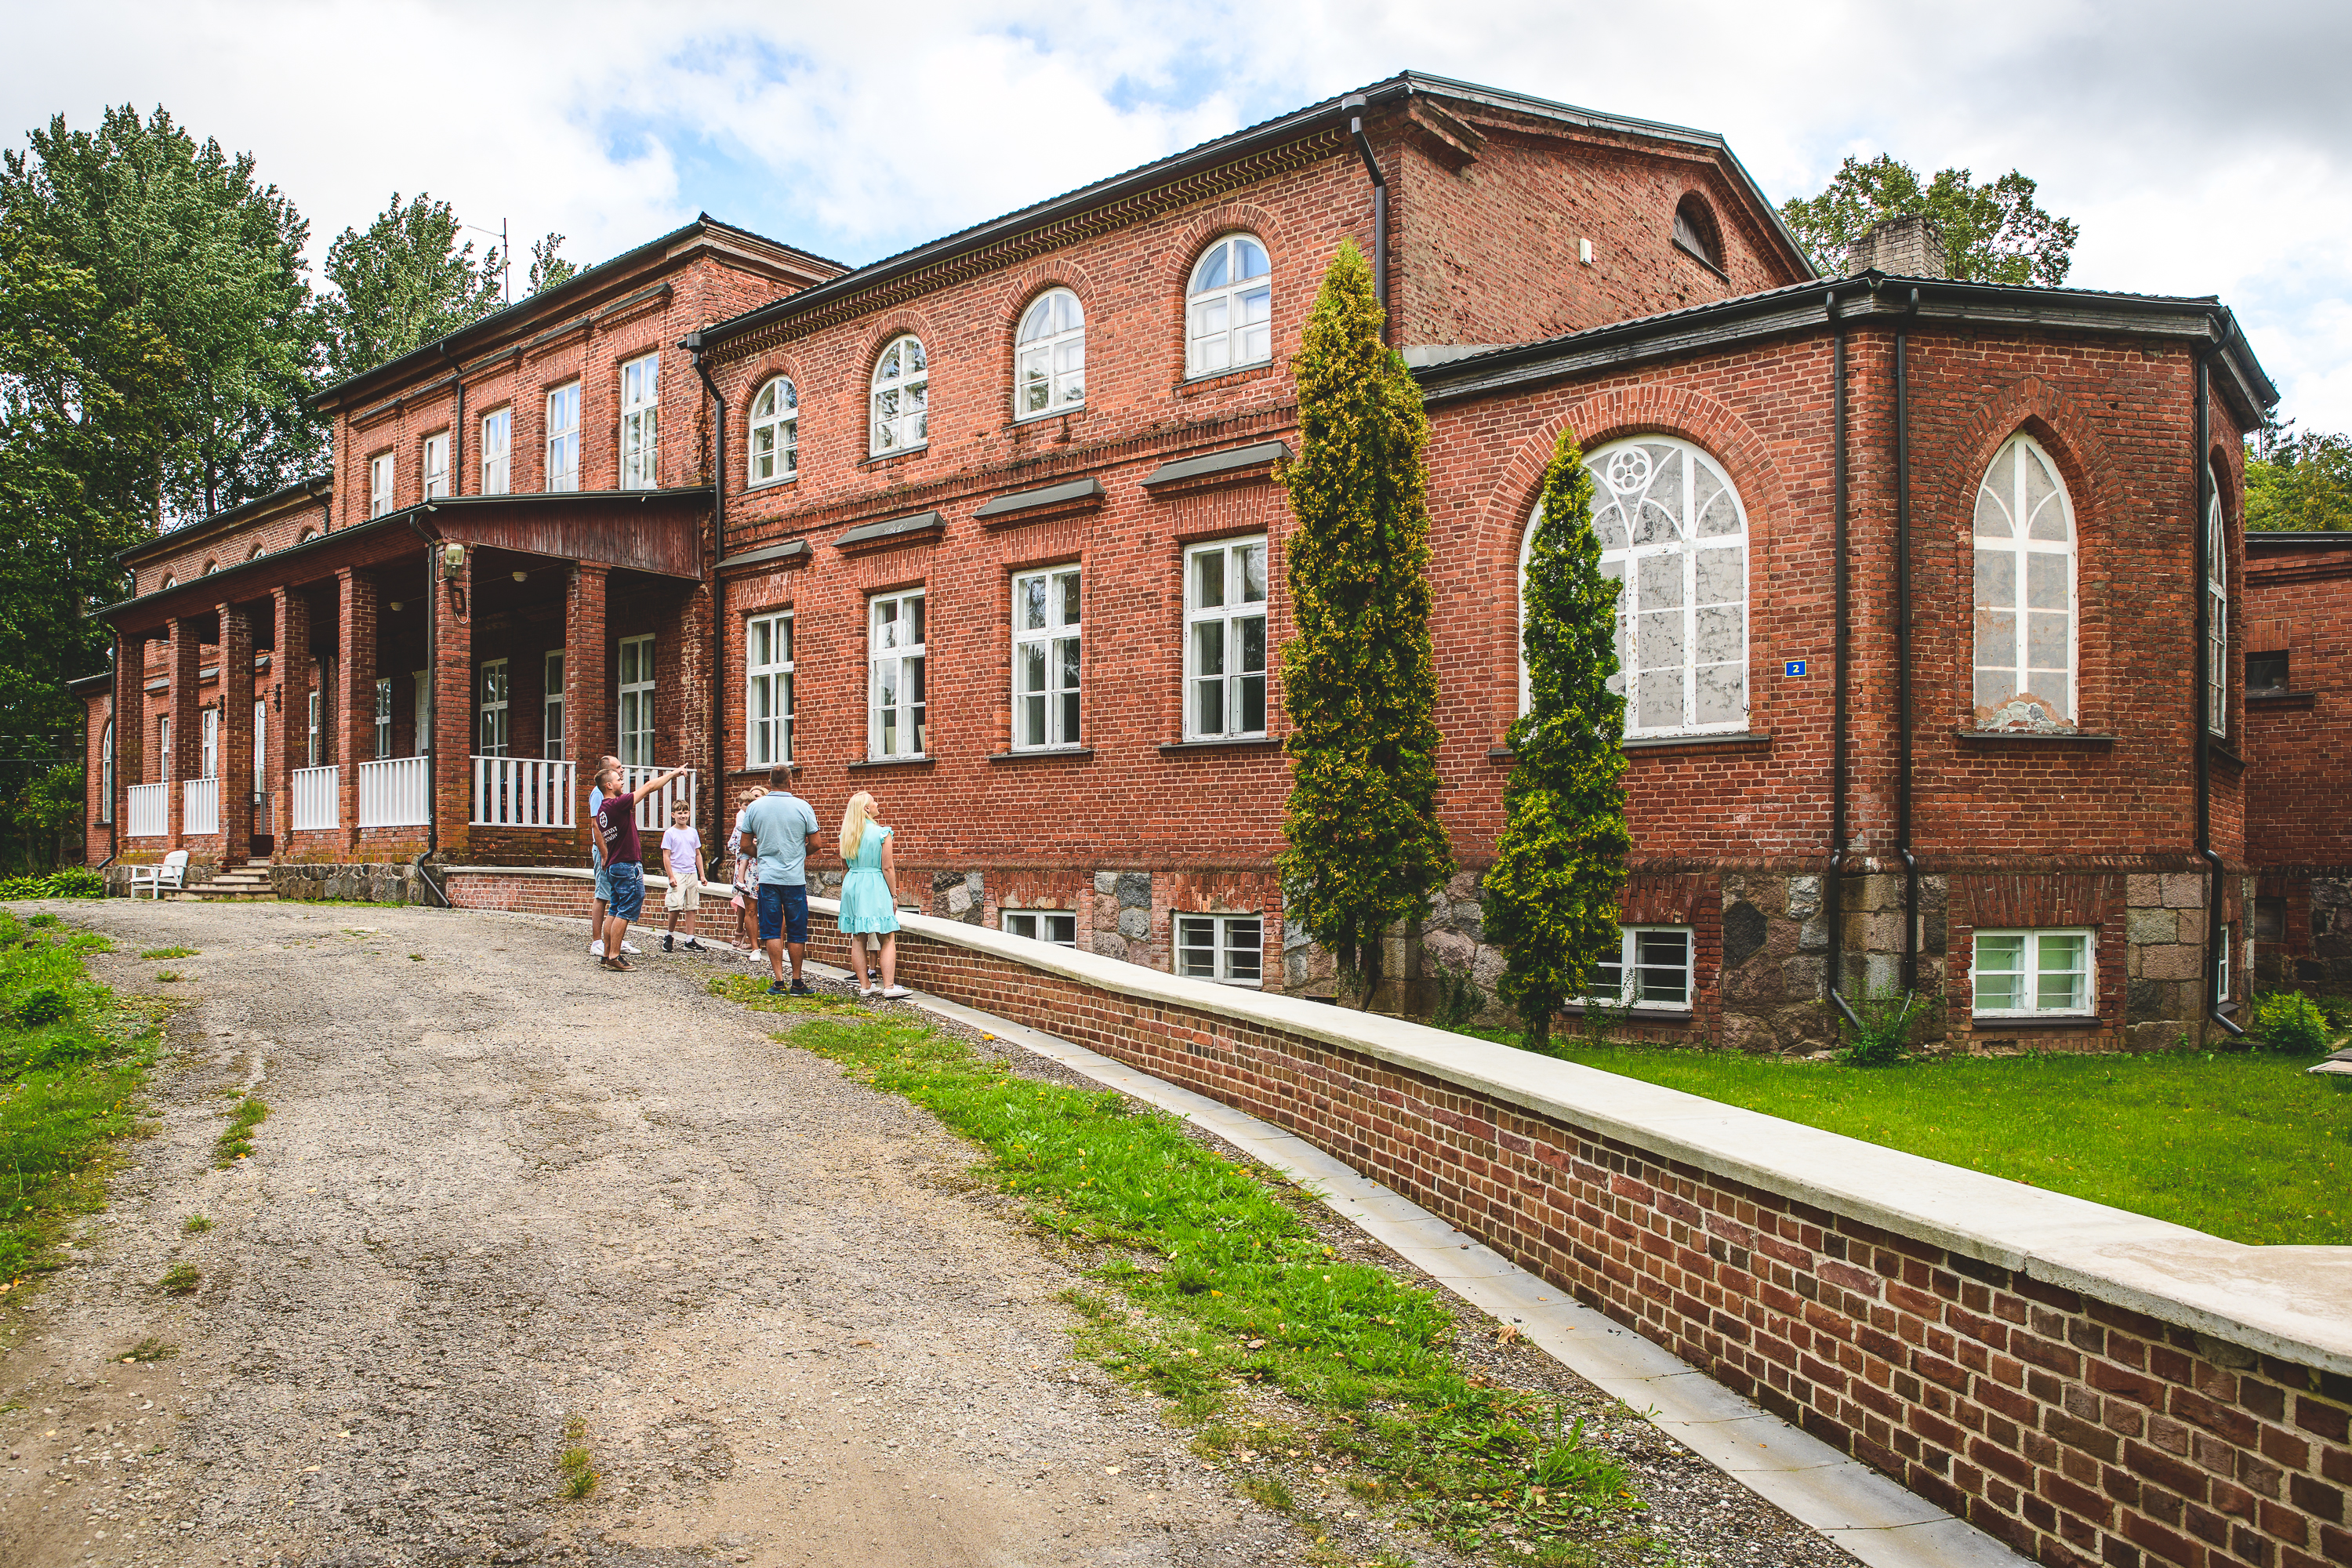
point(682, 895)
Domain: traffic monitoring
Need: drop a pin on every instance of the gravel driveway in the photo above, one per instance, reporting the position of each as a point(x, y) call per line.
point(500, 1190)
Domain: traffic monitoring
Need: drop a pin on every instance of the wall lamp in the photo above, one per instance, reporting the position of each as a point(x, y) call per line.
point(453, 561)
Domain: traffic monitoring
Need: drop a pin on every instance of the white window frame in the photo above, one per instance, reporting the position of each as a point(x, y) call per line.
point(2217, 610)
point(1636, 962)
point(1220, 950)
point(421, 697)
point(768, 693)
point(562, 438)
point(774, 448)
point(494, 713)
point(641, 423)
point(106, 773)
point(311, 750)
point(633, 710)
point(1230, 617)
point(380, 481)
point(436, 465)
point(1049, 357)
point(1229, 325)
point(1033, 924)
point(2221, 967)
point(551, 705)
point(384, 716)
point(163, 746)
point(2030, 971)
point(898, 661)
point(208, 757)
point(497, 452)
point(260, 744)
point(1626, 476)
point(1048, 659)
point(898, 414)
point(2019, 513)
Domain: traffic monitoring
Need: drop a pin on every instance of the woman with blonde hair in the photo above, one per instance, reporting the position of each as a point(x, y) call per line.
point(869, 895)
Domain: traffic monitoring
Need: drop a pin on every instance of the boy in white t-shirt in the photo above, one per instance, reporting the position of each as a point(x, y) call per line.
point(681, 850)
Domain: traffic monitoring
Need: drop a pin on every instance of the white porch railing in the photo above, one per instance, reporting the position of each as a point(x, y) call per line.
point(653, 812)
point(522, 792)
point(150, 811)
point(395, 791)
point(200, 806)
point(317, 798)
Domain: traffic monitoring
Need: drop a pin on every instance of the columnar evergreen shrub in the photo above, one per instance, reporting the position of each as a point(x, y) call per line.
point(1363, 848)
point(1551, 898)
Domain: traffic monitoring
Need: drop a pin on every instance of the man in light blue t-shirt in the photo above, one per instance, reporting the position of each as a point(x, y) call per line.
point(779, 829)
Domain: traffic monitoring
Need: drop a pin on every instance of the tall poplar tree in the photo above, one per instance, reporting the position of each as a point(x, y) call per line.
point(1363, 847)
point(1550, 901)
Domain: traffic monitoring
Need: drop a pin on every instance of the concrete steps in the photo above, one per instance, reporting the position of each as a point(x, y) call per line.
point(247, 885)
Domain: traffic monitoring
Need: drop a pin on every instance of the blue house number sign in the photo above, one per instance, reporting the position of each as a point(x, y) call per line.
point(1796, 666)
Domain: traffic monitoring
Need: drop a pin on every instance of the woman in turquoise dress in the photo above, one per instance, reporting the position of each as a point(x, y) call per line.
point(869, 895)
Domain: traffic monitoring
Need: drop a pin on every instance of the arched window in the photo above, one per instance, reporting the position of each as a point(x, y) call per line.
point(902, 380)
point(307, 534)
point(106, 773)
point(255, 553)
point(210, 567)
point(1672, 531)
point(2024, 592)
point(1694, 230)
point(1229, 307)
point(1049, 356)
point(775, 432)
point(2217, 610)
point(169, 582)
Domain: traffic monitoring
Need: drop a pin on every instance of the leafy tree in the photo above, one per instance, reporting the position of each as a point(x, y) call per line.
point(1992, 233)
point(2298, 483)
point(1363, 847)
point(179, 239)
point(1551, 898)
point(403, 282)
point(547, 268)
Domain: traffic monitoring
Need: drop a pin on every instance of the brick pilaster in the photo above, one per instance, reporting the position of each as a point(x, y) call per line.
point(355, 688)
point(129, 719)
point(453, 707)
point(237, 779)
point(290, 667)
point(588, 722)
point(185, 761)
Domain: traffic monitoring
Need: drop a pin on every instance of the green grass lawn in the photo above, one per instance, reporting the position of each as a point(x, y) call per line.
point(2242, 1145)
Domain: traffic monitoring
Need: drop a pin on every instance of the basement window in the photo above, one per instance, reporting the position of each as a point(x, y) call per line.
point(2032, 973)
point(1650, 968)
point(1227, 948)
point(1055, 926)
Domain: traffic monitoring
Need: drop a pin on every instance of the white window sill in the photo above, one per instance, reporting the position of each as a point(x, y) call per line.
point(1041, 418)
point(2031, 1020)
point(874, 457)
point(791, 478)
point(914, 760)
point(1207, 743)
point(1202, 377)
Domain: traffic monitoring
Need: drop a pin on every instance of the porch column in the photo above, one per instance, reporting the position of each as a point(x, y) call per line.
point(129, 721)
point(588, 731)
point(355, 700)
point(185, 761)
point(237, 779)
point(453, 705)
point(291, 666)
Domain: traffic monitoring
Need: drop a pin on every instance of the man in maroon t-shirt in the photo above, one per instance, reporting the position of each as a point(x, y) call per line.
point(624, 858)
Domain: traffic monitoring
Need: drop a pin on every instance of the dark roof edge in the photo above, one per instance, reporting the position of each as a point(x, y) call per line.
point(103, 680)
point(1867, 297)
point(2338, 537)
point(318, 487)
point(581, 282)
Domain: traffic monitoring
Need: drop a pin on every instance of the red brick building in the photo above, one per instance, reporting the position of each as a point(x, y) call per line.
point(2299, 723)
point(990, 529)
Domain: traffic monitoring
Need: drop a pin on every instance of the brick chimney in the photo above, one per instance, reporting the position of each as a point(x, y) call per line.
point(1908, 247)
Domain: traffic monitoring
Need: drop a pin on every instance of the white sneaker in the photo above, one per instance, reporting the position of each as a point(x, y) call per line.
point(893, 993)
point(629, 946)
point(597, 948)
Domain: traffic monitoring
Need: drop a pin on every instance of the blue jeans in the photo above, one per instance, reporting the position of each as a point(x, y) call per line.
point(783, 912)
point(628, 890)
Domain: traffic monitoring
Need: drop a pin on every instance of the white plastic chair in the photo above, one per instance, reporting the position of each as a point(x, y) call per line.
point(172, 873)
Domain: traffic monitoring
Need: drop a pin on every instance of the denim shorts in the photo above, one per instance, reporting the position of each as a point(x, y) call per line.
point(783, 912)
point(604, 882)
point(628, 890)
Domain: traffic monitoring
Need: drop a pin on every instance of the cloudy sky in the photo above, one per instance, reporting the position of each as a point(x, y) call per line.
point(2202, 149)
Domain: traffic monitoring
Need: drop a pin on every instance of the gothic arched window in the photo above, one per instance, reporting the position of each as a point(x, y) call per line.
point(2025, 612)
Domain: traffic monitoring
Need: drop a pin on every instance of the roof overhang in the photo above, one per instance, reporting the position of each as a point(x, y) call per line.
point(302, 494)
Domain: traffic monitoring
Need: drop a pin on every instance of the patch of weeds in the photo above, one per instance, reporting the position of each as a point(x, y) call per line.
point(1210, 1284)
point(170, 953)
point(751, 991)
point(181, 1279)
point(236, 1142)
point(574, 1463)
point(1267, 1491)
point(417, 957)
point(170, 976)
point(42, 921)
point(150, 1349)
point(194, 1224)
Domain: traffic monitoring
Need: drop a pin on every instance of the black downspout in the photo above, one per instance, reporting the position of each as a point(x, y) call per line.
point(1355, 100)
point(2202, 665)
point(456, 426)
point(429, 744)
point(693, 344)
point(1903, 654)
point(1832, 898)
point(114, 749)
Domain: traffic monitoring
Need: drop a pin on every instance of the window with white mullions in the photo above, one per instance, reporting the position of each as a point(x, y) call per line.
point(494, 733)
point(380, 478)
point(902, 386)
point(497, 436)
point(106, 773)
point(1229, 307)
point(1049, 356)
point(436, 465)
point(1227, 948)
point(550, 729)
point(383, 717)
point(2024, 599)
point(563, 437)
point(896, 721)
point(640, 423)
point(209, 742)
point(1046, 661)
point(2221, 969)
point(775, 432)
point(1059, 928)
point(1650, 968)
point(421, 694)
point(636, 745)
point(2217, 610)
point(311, 737)
point(768, 695)
point(1225, 639)
point(2025, 973)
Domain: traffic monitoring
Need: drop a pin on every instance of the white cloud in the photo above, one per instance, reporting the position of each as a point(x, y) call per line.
point(2199, 158)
